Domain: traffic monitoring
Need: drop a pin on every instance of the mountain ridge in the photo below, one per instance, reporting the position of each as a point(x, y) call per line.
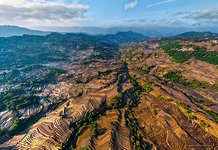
point(159, 31)
point(118, 38)
point(8, 31)
point(195, 34)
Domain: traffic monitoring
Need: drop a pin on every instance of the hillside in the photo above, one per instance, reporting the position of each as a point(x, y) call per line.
point(122, 37)
point(120, 91)
point(30, 65)
point(56, 47)
point(193, 34)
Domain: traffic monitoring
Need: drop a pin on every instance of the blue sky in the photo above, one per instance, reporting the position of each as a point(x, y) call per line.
point(167, 12)
point(107, 13)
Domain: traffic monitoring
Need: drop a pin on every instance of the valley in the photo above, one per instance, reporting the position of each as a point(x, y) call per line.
point(118, 92)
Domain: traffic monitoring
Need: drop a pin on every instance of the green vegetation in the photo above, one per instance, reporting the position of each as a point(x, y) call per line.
point(148, 69)
point(130, 54)
point(87, 148)
point(169, 99)
point(187, 110)
point(131, 123)
point(213, 115)
point(1, 132)
point(97, 129)
point(166, 110)
point(196, 84)
point(192, 118)
point(204, 55)
point(147, 87)
point(79, 127)
point(23, 94)
point(174, 76)
point(18, 126)
point(55, 47)
point(139, 143)
point(31, 75)
point(13, 101)
point(203, 124)
point(160, 97)
point(117, 102)
point(154, 111)
point(172, 47)
point(137, 89)
point(105, 73)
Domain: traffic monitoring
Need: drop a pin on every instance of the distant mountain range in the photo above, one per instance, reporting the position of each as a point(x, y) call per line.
point(154, 31)
point(35, 49)
point(121, 37)
point(196, 35)
point(70, 40)
point(7, 31)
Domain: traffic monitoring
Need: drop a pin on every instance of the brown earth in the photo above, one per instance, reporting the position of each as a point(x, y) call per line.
point(132, 106)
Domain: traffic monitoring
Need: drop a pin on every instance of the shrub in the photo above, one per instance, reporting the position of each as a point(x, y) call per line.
point(147, 87)
point(174, 76)
point(213, 115)
point(148, 69)
point(192, 117)
point(169, 99)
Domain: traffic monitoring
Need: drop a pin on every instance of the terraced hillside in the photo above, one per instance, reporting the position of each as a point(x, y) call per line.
point(177, 101)
point(38, 73)
point(134, 99)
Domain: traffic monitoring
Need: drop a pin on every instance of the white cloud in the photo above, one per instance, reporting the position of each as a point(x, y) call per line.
point(194, 23)
point(205, 14)
point(208, 16)
point(41, 12)
point(171, 21)
point(160, 3)
point(131, 5)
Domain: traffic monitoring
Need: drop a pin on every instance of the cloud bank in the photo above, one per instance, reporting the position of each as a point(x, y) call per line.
point(208, 16)
point(39, 12)
point(205, 14)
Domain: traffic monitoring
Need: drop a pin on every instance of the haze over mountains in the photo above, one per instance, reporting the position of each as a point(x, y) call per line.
point(193, 34)
point(7, 31)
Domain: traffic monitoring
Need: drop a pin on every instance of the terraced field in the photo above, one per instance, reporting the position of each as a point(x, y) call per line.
point(137, 100)
point(174, 113)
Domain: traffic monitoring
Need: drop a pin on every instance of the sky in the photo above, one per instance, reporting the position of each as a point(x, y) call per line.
point(47, 14)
